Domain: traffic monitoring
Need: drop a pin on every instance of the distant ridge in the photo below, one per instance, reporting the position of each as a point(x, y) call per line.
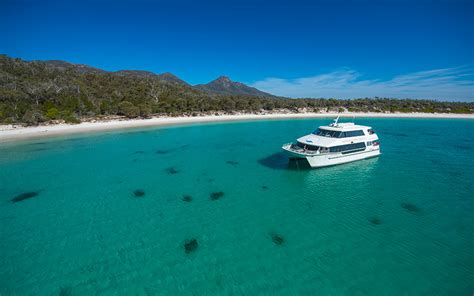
point(220, 86)
point(63, 66)
point(135, 73)
point(167, 77)
point(224, 86)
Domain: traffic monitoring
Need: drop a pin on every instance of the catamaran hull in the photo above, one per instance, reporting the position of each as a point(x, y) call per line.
point(324, 160)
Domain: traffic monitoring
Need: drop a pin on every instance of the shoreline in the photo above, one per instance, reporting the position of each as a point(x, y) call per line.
point(11, 133)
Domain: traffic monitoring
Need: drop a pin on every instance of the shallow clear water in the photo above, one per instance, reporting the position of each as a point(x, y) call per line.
point(401, 223)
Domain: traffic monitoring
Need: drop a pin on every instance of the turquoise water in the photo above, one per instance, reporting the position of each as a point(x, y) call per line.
point(399, 224)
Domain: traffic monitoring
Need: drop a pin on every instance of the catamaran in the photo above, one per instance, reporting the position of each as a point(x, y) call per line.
point(335, 144)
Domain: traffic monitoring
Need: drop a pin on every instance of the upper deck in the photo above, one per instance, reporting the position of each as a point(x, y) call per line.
point(344, 127)
point(338, 134)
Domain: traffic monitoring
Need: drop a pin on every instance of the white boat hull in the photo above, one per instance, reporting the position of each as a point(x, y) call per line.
point(330, 159)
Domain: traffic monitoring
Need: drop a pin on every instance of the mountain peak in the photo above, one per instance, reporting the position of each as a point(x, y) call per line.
point(224, 86)
point(170, 77)
point(223, 79)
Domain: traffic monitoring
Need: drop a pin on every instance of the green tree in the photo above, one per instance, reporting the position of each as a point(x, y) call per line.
point(33, 117)
point(52, 113)
point(269, 105)
point(145, 110)
point(128, 109)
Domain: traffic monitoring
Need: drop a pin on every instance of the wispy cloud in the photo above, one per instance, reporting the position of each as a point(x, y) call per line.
point(445, 84)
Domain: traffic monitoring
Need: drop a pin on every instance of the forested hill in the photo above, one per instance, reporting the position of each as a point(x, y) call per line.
point(32, 92)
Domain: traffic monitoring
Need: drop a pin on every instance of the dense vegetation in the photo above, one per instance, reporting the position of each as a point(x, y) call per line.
point(33, 92)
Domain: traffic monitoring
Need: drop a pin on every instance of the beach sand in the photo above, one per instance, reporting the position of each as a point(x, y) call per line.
point(10, 133)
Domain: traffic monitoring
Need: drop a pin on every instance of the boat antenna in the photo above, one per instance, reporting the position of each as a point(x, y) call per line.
point(335, 121)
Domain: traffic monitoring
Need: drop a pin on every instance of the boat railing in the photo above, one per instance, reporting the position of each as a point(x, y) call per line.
point(295, 148)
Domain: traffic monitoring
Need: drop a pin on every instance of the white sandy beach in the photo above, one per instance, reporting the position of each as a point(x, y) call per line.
point(9, 133)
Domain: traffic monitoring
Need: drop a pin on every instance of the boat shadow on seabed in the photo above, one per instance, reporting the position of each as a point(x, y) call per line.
point(280, 161)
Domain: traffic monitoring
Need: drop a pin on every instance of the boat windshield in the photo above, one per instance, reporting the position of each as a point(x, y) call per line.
point(327, 133)
point(338, 134)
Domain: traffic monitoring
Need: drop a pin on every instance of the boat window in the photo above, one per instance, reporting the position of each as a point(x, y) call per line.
point(371, 131)
point(348, 147)
point(357, 133)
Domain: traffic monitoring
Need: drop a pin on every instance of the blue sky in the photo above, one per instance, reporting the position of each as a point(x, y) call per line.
point(344, 49)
